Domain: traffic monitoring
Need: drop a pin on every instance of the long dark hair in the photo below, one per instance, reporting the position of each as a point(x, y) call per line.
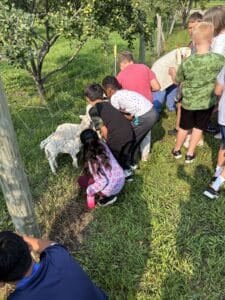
point(94, 152)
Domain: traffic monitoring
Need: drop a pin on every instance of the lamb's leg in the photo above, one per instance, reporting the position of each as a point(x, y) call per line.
point(51, 161)
point(74, 157)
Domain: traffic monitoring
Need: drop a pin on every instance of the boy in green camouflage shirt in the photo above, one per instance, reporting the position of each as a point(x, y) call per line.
point(197, 75)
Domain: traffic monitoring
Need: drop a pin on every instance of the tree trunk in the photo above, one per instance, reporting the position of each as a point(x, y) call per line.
point(141, 49)
point(41, 90)
point(159, 35)
point(172, 24)
point(40, 87)
point(13, 179)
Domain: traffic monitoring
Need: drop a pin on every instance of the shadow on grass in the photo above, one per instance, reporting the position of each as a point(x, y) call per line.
point(199, 243)
point(112, 243)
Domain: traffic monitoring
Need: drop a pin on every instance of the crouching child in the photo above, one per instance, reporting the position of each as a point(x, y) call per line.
point(104, 177)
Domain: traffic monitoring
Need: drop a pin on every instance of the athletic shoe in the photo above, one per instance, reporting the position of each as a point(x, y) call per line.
point(172, 132)
point(218, 136)
point(176, 154)
point(128, 173)
point(211, 193)
point(107, 200)
point(134, 167)
point(129, 178)
point(187, 141)
point(212, 129)
point(189, 158)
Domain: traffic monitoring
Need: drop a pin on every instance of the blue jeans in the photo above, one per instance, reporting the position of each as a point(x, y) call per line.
point(167, 95)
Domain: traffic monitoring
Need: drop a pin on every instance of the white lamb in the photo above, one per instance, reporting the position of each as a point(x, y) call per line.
point(66, 139)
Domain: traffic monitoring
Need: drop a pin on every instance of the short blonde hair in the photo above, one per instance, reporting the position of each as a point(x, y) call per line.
point(203, 32)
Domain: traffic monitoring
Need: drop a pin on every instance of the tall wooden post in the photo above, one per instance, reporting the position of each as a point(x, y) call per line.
point(141, 49)
point(13, 179)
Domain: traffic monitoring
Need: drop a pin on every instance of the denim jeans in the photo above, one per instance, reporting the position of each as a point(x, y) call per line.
point(167, 95)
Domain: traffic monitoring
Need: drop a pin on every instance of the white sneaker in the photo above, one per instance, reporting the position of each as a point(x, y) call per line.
point(127, 172)
point(218, 136)
point(187, 141)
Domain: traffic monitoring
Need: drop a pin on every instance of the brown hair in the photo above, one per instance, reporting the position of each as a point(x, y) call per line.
point(126, 56)
point(216, 15)
point(203, 32)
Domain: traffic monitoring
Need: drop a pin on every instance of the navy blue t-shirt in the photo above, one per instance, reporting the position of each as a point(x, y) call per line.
point(59, 277)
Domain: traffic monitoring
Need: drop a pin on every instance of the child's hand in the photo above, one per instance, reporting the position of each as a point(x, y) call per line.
point(172, 72)
point(104, 132)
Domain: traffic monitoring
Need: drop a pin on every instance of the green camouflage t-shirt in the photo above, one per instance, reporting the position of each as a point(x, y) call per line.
point(198, 75)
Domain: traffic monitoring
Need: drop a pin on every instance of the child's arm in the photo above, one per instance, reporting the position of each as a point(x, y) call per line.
point(37, 245)
point(155, 85)
point(219, 89)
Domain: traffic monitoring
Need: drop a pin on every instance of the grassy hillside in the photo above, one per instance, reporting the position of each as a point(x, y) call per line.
point(162, 239)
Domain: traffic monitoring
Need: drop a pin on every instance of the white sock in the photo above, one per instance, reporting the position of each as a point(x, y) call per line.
point(218, 171)
point(217, 183)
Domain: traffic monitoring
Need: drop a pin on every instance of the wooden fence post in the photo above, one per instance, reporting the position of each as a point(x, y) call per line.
point(141, 49)
point(13, 179)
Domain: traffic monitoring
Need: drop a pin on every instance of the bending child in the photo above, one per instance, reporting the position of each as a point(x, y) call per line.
point(135, 107)
point(56, 276)
point(115, 129)
point(104, 177)
point(197, 74)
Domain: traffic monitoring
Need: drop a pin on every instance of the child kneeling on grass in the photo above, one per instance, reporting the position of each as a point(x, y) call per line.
point(104, 176)
point(219, 175)
point(55, 276)
point(197, 74)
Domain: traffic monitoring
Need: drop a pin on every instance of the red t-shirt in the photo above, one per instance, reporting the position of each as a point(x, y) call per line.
point(137, 77)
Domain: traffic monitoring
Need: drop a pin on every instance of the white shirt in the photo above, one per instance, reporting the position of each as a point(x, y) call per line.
point(131, 102)
point(218, 44)
point(221, 108)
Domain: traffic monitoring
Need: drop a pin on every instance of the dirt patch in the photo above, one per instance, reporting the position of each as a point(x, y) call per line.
point(71, 224)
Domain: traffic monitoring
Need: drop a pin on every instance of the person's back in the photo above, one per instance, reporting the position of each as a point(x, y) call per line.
point(119, 128)
point(137, 77)
point(58, 277)
point(197, 74)
point(55, 276)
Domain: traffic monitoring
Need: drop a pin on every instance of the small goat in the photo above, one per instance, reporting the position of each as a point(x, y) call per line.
point(66, 139)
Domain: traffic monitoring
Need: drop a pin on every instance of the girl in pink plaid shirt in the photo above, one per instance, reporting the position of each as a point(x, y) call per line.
point(104, 178)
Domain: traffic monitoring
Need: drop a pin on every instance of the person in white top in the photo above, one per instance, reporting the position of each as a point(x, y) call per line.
point(216, 16)
point(219, 176)
point(138, 109)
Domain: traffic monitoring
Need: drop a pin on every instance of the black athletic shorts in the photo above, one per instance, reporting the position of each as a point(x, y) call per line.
point(195, 118)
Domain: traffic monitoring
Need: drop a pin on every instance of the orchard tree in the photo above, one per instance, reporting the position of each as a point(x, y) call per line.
point(29, 29)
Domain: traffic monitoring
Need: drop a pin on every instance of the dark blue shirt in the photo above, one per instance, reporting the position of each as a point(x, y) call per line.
point(58, 277)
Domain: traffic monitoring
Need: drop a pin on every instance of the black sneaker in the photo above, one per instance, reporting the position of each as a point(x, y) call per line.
point(172, 132)
point(211, 193)
point(107, 200)
point(212, 129)
point(189, 158)
point(176, 154)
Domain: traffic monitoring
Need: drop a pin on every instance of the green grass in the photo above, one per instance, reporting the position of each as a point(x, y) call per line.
point(162, 239)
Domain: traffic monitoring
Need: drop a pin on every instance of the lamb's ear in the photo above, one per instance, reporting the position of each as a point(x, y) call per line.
point(81, 117)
